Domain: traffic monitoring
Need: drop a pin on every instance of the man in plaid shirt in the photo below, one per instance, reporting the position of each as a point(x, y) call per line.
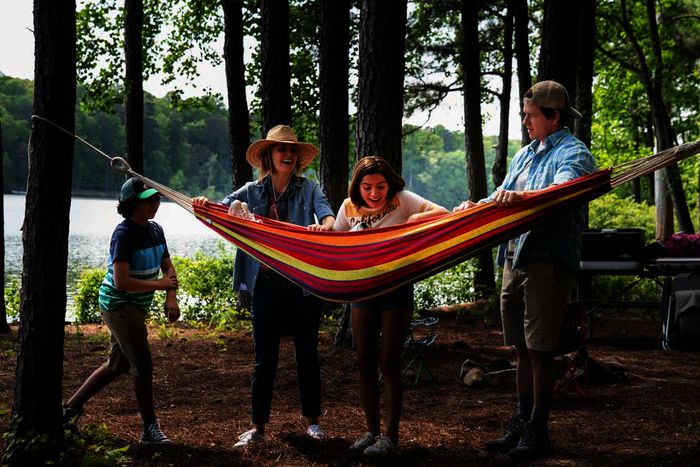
point(539, 266)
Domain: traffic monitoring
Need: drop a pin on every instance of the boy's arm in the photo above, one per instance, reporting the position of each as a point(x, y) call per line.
point(124, 282)
point(172, 308)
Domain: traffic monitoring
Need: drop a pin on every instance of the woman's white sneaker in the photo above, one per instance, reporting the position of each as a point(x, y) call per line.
point(251, 436)
point(315, 431)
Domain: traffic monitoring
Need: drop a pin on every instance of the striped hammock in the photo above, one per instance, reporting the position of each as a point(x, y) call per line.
point(354, 266)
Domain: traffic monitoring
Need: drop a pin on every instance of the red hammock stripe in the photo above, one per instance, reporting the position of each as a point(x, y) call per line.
point(353, 266)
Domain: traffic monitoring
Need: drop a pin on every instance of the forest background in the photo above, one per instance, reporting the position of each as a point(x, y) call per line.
point(631, 67)
point(188, 149)
point(186, 140)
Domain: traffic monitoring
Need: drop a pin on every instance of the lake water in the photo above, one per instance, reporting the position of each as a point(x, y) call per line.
point(91, 224)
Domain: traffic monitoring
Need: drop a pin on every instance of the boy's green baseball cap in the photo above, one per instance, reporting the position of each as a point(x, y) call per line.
point(135, 188)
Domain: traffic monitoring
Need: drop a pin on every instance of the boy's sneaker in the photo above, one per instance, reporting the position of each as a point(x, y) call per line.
point(315, 431)
point(152, 434)
point(382, 447)
point(534, 442)
point(251, 436)
point(362, 443)
point(70, 419)
point(510, 436)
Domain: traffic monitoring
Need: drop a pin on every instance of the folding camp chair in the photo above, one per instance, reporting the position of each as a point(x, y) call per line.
point(574, 353)
point(421, 335)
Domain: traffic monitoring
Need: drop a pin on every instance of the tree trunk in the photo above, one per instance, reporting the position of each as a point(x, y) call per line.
point(665, 137)
point(584, 72)
point(664, 140)
point(275, 83)
point(500, 163)
point(380, 83)
point(522, 54)
point(649, 138)
point(38, 384)
point(238, 116)
point(664, 207)
point(484, 280)
point(4, 328)
point(333, 82)
point(558, 60)
point(133, 52)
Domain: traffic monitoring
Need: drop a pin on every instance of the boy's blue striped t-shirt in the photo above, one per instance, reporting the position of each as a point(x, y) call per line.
point(144, 248)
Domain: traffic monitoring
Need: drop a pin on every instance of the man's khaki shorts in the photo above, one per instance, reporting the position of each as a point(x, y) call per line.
point(129, 349)
point(533, 302)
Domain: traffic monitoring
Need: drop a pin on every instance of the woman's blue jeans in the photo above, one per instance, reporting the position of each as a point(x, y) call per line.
point(278, 304)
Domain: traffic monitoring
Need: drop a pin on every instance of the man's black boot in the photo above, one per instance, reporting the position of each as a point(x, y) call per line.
point(534, 442)
point(510, 437)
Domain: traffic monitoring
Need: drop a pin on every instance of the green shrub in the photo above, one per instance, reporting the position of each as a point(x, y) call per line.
point(614, 212)
point(205, 287)
point(12, 298)
point(455, 285)
point(86, 295)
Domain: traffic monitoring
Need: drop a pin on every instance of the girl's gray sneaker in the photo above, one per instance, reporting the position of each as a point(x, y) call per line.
point(362, 443)
point(382, 447)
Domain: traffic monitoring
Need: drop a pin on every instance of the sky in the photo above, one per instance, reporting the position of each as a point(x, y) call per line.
point(17, 60)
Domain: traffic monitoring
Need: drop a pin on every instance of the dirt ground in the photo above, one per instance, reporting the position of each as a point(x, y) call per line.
point(651, 416)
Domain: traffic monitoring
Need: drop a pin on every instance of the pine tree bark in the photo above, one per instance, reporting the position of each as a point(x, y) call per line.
point(133, 52)
point(484, 280)
point(38, 385)
point(584, 71)
point(276, 73)
point(334, 65)
point(380, 83)
point(238, 116)
point(558, 58)
point(500, 163)
point(522, 54)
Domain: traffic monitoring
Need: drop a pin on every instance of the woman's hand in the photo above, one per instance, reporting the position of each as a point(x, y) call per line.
point(326, 224)
point(465, 205)
point(319, 227)
point(200, 201)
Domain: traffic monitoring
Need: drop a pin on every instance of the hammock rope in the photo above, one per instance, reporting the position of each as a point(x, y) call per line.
point(354, 266)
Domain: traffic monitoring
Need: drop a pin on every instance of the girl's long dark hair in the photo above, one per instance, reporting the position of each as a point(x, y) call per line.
point(370, 165)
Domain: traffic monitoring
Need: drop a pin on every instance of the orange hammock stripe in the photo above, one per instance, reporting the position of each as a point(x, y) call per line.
point(354, 266)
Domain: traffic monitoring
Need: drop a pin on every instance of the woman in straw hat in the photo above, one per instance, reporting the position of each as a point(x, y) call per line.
point(280, 193)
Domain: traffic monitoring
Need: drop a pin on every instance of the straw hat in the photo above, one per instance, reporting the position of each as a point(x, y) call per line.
point(280, 134)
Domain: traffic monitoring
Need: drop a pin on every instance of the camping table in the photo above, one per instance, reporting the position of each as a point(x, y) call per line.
point(656, 270)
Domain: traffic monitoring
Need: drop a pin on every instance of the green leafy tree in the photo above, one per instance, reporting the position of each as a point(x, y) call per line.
point(645, 49)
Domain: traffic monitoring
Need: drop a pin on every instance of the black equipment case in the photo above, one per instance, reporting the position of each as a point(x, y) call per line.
point(680, 313)
point(611, 249)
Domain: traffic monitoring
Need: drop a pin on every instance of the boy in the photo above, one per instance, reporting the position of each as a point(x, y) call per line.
point(136, 253)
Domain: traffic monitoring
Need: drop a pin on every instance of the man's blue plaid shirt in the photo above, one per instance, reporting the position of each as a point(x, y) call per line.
point(564, 158)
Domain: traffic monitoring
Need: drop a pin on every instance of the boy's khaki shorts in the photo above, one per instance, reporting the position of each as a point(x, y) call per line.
point(533, 302)
point(129, 349)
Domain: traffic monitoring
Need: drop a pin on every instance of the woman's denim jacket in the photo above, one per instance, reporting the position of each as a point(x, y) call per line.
point(306, 205)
